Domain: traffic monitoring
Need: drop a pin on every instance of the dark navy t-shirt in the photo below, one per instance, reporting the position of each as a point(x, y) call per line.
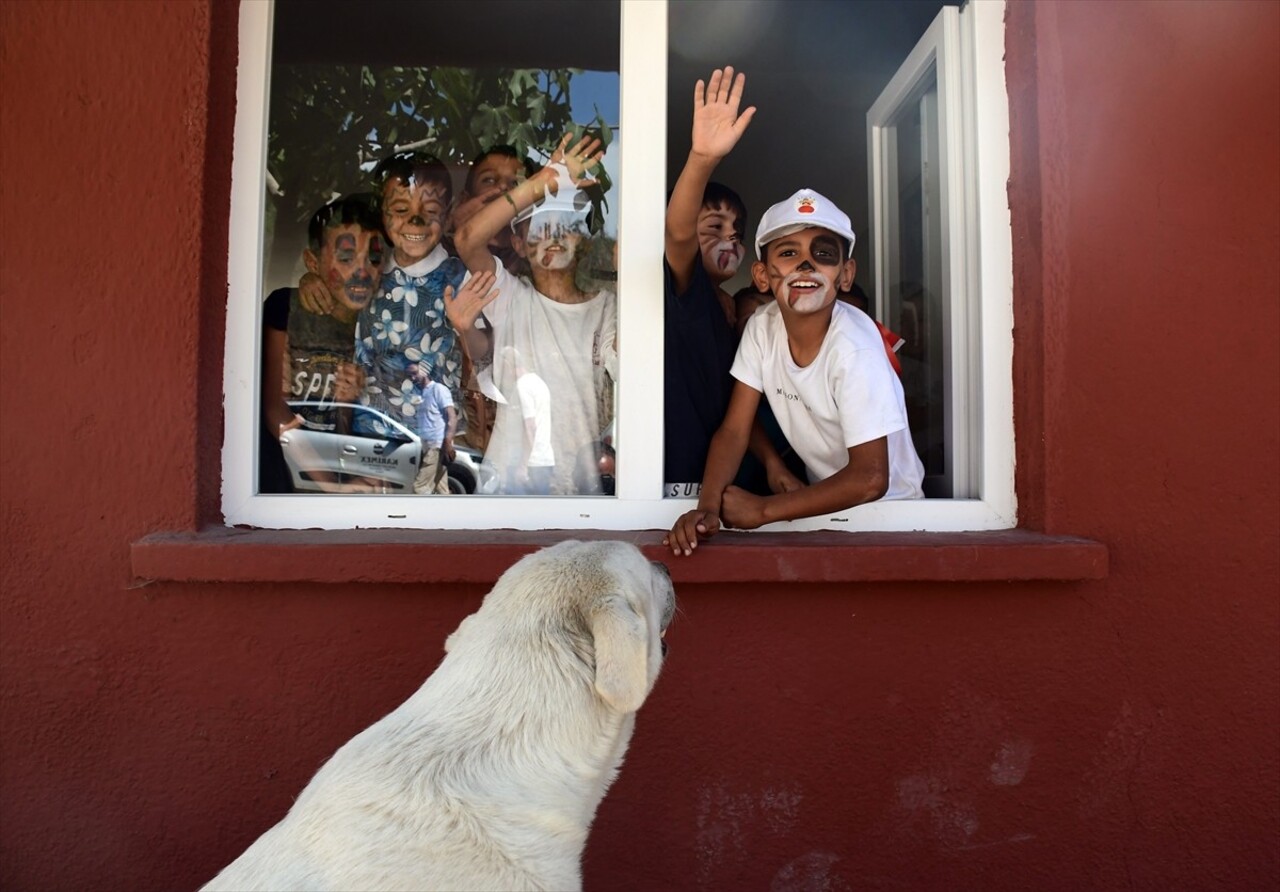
point(699, 347)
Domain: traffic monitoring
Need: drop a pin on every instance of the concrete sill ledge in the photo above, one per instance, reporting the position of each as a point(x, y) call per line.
point(220, 554)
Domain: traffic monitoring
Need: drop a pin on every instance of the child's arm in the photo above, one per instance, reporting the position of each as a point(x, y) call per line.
point(464, 306)
point(725, 455)
point(280, 418)
point(313, 296)
point(472, 238)
point(717, 127)
point(776, 471)
point(864, 479)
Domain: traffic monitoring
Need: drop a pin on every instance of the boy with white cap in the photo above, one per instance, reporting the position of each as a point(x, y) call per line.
point(821, 364)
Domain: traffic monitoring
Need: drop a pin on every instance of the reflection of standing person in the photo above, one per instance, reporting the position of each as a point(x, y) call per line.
point(532, 474)
point(437, 423)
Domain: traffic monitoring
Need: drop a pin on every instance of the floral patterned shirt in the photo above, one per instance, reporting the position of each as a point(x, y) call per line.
point(403, 325)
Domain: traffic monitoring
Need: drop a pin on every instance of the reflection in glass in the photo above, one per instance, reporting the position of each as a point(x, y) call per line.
point(428, 131)
point(915, 279)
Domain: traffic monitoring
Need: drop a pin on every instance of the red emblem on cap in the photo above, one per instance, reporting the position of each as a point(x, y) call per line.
point(805, 206)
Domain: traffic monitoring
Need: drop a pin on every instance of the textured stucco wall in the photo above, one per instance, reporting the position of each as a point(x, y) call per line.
point(1118, 733)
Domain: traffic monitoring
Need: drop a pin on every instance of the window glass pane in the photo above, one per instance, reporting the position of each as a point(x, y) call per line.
point(914, 278)
point(384, 141)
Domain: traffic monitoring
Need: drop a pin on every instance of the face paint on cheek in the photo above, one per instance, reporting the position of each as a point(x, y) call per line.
point(728, 256)
point(555, 254)
point(805, 299)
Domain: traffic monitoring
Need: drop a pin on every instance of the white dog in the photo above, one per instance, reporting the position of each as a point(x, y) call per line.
point(489, 776)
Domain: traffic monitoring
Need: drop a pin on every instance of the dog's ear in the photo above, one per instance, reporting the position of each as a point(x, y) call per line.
point(622, 650)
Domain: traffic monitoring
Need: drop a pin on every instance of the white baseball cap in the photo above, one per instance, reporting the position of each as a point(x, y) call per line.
point(804, 210)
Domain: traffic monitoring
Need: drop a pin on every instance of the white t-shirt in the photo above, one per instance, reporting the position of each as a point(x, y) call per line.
point(432, 419)
point(848, 395)
point(535, 405)
point(570, 347)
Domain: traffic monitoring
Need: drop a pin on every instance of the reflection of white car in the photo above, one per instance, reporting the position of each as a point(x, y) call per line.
point(341, 444)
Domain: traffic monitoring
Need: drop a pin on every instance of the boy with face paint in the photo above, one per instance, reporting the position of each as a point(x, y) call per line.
point(494, 171)
point(344, 252)
point(404, 327)
point(821, 365)
point(703, 249)
point(565, 336)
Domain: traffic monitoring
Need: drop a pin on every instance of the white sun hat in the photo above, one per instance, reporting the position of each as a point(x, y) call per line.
point(804, 210)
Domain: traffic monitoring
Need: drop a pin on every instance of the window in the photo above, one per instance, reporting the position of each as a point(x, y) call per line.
point(980, 307)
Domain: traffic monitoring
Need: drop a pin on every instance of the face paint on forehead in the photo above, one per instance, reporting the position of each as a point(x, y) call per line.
point(430, 187)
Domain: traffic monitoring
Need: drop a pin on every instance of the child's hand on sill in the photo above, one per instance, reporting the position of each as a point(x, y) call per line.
point(689, 528)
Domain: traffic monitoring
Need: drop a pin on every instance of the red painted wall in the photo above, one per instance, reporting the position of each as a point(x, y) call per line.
point(1116, 733)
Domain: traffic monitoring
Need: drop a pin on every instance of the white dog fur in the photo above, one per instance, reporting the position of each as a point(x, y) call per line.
point(489, 776)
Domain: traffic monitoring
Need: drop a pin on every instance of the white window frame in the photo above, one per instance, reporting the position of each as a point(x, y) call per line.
point(642, 183)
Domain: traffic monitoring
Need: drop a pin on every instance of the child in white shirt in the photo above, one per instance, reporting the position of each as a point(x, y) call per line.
point(821, 364)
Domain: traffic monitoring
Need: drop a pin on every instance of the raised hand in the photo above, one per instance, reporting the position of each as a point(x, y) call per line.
point(464, 306)
point(578, 160)
point(717, 126)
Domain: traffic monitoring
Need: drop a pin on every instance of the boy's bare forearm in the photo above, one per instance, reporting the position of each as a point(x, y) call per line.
point(473, 237)
point(728, 445)
point(864, 479)
point(682, 211)
point(762, 447)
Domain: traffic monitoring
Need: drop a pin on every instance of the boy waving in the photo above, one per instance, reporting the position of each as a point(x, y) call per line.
point(703, 250)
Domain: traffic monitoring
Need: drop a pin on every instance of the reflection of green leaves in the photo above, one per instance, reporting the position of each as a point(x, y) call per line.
point(601, 130)
point(327, 121)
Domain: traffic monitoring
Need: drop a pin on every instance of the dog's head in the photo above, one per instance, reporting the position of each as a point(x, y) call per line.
point(601, 602)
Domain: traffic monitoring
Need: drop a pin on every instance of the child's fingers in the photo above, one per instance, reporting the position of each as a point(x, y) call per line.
point(713, 86)
point(735, 93)
point(699, 94)
point(726, 84)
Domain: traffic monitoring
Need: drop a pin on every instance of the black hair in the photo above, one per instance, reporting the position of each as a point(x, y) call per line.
point(750, 291)
point(505, 151)
point(406, 166)
point(351, 210)
point(855, 296)
point(718, 195)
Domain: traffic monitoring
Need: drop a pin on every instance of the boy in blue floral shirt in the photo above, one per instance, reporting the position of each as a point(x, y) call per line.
point(405, 323)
